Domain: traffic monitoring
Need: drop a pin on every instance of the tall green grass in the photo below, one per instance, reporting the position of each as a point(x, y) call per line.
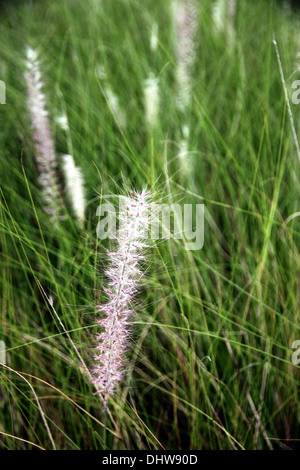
point(210, 364)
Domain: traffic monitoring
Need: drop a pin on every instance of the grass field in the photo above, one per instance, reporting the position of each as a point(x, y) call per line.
point(210, 359)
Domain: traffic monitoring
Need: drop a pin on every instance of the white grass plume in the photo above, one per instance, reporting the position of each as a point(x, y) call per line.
point(219, 15)
point(75, 187)
point(62, 122)
point(42, 134)
point(185, 15)
point(184, 155)
point(154, 37)
point(115, 106)
point(224, 13)
point(112, 97)
point(151, 97)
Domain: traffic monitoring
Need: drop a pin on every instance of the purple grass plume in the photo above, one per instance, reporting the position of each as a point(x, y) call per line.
point(42, 135)
point(125, 278)
point(185, 13)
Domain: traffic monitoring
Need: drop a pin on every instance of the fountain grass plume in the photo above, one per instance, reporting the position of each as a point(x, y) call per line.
point(112, 98)
point(151, 97)
point(42, 134)
point(185, 13)
point(224, 13)
point(125, 279)
point(75, 187)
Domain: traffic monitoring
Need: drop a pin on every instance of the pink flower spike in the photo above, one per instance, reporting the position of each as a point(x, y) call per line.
point(125, 275)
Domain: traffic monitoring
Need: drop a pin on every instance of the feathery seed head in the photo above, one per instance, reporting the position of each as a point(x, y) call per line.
point(185, 13)
point(219, 15)
point(114, 103)
point(224, 12)
point(112, 97)
point(42, 134)
point(62, 122)
point(154, 37)
point(75, 188)
point(151, 94)
point(125, 275)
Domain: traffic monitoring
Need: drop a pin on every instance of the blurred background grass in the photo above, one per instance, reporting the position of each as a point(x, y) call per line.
point(210, 361)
